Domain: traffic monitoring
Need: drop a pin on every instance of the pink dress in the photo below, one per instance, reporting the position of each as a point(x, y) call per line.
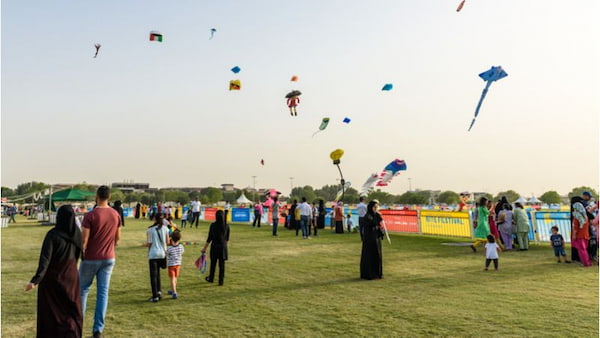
point(493, 227)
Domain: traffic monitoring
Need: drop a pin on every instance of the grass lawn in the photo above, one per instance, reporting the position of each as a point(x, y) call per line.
point(287, 286)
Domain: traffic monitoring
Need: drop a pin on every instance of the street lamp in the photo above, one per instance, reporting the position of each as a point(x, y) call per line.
point(336, 155)
point(254, 187)
point(291, 185)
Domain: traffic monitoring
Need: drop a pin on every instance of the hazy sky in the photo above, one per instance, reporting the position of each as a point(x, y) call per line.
point(163, 114)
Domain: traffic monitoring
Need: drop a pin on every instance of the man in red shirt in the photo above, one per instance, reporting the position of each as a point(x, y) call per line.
point(100, 230)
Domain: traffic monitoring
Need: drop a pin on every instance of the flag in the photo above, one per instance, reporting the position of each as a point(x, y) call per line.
point(156, 36)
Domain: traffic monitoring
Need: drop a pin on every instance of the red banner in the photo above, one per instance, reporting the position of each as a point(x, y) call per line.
point(210, 214)
point(401, 220)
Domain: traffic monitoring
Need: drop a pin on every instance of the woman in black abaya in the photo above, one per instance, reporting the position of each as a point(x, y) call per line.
point(370, 258)
point(59, 302)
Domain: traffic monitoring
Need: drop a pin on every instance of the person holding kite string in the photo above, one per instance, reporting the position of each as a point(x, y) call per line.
point(218, 235)
point(371, 258)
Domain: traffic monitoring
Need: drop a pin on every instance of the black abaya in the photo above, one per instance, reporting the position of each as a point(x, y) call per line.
point(371, 259)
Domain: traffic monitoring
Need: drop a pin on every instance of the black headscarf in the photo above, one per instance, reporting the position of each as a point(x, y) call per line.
point(66, 227)
point(219, 218)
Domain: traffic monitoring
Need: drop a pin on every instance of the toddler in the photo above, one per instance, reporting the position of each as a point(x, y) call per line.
point(491, 252)
point(174, 253)
point(558, 244)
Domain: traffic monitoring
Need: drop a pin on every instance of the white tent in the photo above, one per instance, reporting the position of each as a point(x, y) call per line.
point(534, 200)
point(243, 200)
point(521, 200)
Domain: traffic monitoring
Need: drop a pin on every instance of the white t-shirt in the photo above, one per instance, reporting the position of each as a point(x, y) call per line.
point(195, 206)
point(361, 209)
point(158, 245)
point(491, 250)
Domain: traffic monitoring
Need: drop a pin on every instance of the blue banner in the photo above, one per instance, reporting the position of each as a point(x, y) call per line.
point(240, 215)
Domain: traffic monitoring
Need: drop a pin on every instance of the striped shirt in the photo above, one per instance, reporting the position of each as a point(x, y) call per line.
point(174, 254)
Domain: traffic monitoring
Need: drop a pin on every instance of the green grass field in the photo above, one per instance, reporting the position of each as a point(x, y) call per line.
point(287, 286)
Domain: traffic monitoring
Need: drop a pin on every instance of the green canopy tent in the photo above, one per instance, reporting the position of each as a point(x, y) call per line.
point(67, 195)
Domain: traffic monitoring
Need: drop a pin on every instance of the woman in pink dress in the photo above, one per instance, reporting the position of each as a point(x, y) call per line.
point(492, 220)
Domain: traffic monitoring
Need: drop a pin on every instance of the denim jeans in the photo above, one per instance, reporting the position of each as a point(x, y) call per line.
point(102, 270)
point(304, 225)
point(275, 223)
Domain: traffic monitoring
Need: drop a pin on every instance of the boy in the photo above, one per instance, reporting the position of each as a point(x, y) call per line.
point(558, 243)
point(349, 223)
point(184, 218)
point(174, 253)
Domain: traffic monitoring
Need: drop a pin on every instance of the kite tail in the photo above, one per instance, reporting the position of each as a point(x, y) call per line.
point(472, 123)
point(483, 94)
point(316, 132)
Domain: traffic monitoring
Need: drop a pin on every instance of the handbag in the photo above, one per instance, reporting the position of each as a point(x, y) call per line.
point(162, 263)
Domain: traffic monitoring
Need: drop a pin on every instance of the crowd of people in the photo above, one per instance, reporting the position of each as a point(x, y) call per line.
point(63, 288)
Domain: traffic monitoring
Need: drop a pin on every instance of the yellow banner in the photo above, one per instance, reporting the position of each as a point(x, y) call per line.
point(445, 223)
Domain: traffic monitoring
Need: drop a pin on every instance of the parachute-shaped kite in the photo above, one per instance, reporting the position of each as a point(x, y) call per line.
point(236, 69)
point(97, 49)
point(339, 193)
point(390, 171)
point(271, 194)
point(294, 78)
point(323, 125)
point(201, 263)
point(212, 33)
point(369, 184)
point(156, 36)
point(387, 87)
point(235, 85)
point(460, 6)
point(490, 75)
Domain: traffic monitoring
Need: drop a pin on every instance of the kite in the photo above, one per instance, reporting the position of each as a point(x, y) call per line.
point(235, 85)
point(262, 162)
point(156, 36)
point(460, 6)
point(236, 69)
point(387, 87)
point(369, 184)
point(390, 170)
point(294, 78)
point(201, 263)
point(346, 120)
point(271, 194)
point(490, 75)
point(212, 33)
point(97, 49)
point(323, 125)
point(292, 101)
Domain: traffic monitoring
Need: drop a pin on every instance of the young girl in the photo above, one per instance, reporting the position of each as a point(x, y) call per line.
point(491, 252)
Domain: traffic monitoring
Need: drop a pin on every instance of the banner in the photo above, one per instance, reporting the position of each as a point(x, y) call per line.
point(210, 214)
point(401, 220)
point(545, 220)
point(445, 223)
point(240, 215)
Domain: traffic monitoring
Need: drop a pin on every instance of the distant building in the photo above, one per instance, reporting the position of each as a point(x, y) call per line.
point(227, 187)
point(131, 187)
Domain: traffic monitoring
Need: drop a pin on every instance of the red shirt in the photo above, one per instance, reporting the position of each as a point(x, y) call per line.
point(103, 224)
point(338, 214)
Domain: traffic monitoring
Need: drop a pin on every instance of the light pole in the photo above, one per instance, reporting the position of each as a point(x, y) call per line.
point(254, 187)
point(291, 185)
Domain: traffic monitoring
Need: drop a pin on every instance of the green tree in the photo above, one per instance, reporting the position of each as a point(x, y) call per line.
point(212, 195)
point(579, 190)
point(306, 191)
point(133, 197)
point(550, 197)
point(116, 195)
point(511, 196)
point(86, 187)
point(231, 196)
point(147, 198)
point(350, 196)
point(328, 192)
point(382, 196)
point(413, 197)
point(33, 186)
point(7, 192)
point(448, 197)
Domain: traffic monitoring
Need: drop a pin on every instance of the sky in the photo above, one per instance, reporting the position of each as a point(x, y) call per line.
point(162, 113)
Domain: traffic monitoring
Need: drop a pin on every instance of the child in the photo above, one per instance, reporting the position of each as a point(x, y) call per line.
point(174, 253)
point(491, 252)
point(558, 244)
point(349, 224)
point(184, 218)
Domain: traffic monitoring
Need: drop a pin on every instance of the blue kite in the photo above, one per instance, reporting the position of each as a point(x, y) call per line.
point(387, 87)
point(346, 120)
point(491, 75)
point(236, 69)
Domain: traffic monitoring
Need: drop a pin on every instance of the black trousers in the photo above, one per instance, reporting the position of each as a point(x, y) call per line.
point(155, 276)
point(487, 263)
point(217, 257)
point(257, 217)
point(196, 218)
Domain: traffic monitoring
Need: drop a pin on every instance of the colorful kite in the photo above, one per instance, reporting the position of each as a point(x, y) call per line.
point(97, 49)
point(392, 169)
point(367, 187)
point(235, 85)
point(491, 75)
point(201, 263)
point(236, 69)
point(387, 87)
point(346, 120)
point(156, 36)
point(460, 6)
point(292, 101)
point(323, 125)
point(294, 78)
point(212, 33)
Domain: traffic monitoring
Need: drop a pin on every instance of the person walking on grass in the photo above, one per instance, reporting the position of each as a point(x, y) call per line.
point(12, 211)
point(157, 238)
point(371, 257)
point(275, 214)
point(100, 232)
point(218, 238)
point(482, 228)
point(338, 217)
point(522, 223)
point(195, 212)
point(505, 219)
point(491, 252)
point(580, 232)
point(558, 244)
point(174, 253)
point(59, 298)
